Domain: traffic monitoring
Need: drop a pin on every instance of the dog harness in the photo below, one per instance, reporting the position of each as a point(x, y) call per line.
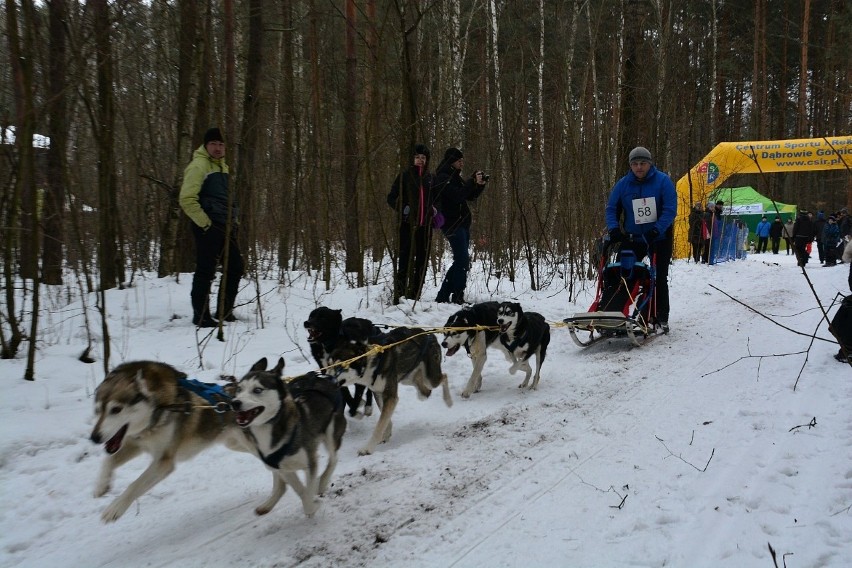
point(211, 392)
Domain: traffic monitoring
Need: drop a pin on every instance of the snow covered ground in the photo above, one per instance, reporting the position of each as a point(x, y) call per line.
point(705, 447)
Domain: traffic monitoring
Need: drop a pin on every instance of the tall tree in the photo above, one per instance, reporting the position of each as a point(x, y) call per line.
point(54, 199)
point(354, 255)
point(110, 261)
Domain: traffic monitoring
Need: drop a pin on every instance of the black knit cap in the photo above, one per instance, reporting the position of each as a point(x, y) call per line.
point(452, 155)
point(213, 135)
point(422, 149)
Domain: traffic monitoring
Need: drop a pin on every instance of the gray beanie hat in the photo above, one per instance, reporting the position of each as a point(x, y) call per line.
point(639, 153)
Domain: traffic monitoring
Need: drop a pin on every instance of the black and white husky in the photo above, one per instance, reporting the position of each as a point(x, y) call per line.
point(523, 334)
point(411, 357)
point(286, 423)
point(475, 328)
point(326, 329)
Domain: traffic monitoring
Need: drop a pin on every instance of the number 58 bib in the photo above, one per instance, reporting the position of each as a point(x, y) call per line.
point(644, 210)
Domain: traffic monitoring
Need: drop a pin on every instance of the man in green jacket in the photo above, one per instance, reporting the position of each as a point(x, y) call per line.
point(204, 197)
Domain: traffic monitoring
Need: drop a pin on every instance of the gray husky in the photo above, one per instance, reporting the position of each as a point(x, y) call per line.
point(145, 407)
point(411, 357)
point(286, 422)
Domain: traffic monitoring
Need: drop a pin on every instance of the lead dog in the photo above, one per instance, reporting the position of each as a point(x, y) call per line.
point(412, 358)
point(523, 334)
point(326, 329)
point(145, 407)
point(286, 423)
point(476, 342)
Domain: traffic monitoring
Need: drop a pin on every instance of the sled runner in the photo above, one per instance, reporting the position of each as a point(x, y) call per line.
point(622, 307)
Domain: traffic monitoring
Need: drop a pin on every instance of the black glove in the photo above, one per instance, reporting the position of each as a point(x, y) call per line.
point(615, 235)
point(652, 235)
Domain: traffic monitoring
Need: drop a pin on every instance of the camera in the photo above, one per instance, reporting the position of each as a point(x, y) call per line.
point(485, 177)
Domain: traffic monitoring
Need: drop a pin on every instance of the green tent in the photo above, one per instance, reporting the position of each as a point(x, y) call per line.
point(746, 204)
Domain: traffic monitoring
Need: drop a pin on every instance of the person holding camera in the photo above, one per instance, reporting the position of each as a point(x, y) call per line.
point(646, 199)
point(453, 195)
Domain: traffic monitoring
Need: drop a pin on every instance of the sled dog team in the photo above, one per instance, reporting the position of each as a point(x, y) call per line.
point(151, 407)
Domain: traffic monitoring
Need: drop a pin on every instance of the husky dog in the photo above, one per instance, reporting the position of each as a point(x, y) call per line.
point(523, 334)
point(412, 357)
point(145, 407)
point(474, 341)
point(286, 423)
point(326, 328)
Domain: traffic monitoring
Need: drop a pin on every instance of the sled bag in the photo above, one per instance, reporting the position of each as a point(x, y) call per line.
point(621, 286)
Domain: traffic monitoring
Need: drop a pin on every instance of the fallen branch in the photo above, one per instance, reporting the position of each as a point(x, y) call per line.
point(683, 460)
point(811, 424)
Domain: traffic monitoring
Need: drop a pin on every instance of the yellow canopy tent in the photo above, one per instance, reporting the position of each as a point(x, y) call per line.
point(770, 156)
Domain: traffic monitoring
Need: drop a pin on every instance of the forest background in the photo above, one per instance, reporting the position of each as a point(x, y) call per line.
point(321, 101)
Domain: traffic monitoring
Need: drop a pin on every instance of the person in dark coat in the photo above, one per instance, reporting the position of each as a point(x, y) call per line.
point(830, 240)
point(776, 230)
point(454, 192)
point(696, 231)
point(412, 196)
point(804, 232)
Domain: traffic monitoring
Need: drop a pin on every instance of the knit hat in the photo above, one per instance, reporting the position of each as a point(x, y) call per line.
point(213, 135)
point(452, 155)
point(422, 149)
point(831, 218)
point(639, 153)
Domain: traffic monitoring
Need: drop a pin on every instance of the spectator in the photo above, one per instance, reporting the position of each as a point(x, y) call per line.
point(788, 234)
point(205, 198)
point(762, 233)
point(645, 201)
point(453, 194)
point(775, 233)
point(804, 232)
point(707, 232)
point(696, 231)
point(830, 240)
point(412, 196)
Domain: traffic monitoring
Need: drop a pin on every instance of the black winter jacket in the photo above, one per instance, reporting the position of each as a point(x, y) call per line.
point(453, 194)
point(414, 189)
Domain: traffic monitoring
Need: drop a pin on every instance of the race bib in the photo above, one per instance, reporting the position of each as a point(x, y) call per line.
point(644, 210)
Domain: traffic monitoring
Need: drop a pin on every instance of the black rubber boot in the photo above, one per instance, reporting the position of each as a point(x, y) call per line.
point(201, 312)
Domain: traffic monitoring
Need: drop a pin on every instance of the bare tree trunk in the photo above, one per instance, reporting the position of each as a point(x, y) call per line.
point(109, 258)
point(22, 84)
point(495, 60)
point(230, 71)
point(54, 200)
point(289, 120)
point(354, 254)
point(802, 126)
point(169, 248)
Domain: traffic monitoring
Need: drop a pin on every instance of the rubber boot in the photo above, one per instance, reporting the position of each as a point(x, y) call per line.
point(229, 309)
point(201, 312)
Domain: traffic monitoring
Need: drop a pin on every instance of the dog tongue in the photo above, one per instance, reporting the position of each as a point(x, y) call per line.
point(452, 351)
point(114, 443)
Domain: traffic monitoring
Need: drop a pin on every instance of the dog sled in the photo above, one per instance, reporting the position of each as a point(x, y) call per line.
point(623, 306)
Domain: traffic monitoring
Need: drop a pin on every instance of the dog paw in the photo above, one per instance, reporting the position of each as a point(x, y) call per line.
point(311, 508)
point(465, 394)
point(365, 451)
point(114, 512)
point(100, 490)
point(262, 510)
